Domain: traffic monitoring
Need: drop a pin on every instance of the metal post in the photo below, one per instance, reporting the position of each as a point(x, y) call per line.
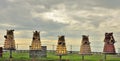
point(33, 59)
point(53, 47)
point(10, 59)
point(105, 56)
point(17, 46)
point(10, 53)
point(60, 56)
point(70, 48)
point(82, 57)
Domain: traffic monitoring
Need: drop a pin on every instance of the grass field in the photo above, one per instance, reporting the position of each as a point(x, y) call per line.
point(53, 57)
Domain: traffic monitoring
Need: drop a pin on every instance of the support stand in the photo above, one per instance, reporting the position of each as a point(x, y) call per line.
point(60, 57)
point(10, 53)
point(10, 59)
point(105, 56)
point(82, 57)
point(33, 59)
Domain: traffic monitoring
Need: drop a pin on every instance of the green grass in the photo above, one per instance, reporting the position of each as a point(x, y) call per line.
point(53, 57)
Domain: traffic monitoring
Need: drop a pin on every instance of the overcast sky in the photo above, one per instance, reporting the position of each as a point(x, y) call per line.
point(72, 18)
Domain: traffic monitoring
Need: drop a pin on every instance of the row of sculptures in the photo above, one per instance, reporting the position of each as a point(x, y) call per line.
point(85, 48)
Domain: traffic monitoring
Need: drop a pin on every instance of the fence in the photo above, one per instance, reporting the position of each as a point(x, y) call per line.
point(24, 48)
point(52, 47)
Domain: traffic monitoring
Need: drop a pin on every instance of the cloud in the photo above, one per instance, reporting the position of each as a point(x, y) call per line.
point(110, 4)
point(55, 16)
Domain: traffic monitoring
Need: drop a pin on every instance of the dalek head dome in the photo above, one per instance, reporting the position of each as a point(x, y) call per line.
point(85, 37)
point(36, 33)
point(108, 36)
point(10, 32)
point(61, 37)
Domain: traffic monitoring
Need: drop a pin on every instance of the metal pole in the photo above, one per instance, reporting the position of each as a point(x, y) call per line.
point(17, 46)
point(33, 59)
point(10, 59)
point(60, 56)
point(82, 57)
point(70, 48)
point(105, 56)
point(10, 50)
point(10, 53)
point(53, 47)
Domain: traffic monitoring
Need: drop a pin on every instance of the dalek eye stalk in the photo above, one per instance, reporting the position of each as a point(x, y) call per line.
point(109, 41)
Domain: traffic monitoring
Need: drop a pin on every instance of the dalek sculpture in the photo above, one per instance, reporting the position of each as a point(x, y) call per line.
point(109, 44)
point(85, 46)
point(9, 41)
point(61, 47)
point(36, 43)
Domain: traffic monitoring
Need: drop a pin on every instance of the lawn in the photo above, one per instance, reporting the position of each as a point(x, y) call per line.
point(52, 57)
